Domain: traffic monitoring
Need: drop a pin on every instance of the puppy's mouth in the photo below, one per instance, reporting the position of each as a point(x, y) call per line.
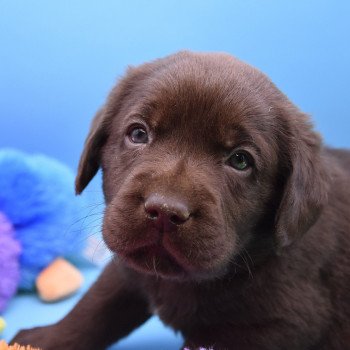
point(156, 260)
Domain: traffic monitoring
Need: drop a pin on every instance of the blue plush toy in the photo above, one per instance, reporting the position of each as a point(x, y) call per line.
point(37, 199)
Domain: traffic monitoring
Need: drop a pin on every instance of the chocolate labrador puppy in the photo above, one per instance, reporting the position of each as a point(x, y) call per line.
point(229, 218)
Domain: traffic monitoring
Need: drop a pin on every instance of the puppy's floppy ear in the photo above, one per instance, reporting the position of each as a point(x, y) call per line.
point(90, 159)
point(306, 182)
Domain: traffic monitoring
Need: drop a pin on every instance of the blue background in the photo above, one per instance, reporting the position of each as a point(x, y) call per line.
point(59, 59)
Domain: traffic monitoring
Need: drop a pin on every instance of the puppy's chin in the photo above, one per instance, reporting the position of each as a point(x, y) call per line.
point(157, 261)
point(150, 261)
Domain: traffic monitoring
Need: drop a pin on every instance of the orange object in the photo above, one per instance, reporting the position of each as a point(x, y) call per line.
point(59, 280)
point(4, 346)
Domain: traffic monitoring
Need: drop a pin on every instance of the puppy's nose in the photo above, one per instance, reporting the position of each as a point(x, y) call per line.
point(166, 212)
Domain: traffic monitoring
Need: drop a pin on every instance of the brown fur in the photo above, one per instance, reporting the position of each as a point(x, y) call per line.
point(262, 262)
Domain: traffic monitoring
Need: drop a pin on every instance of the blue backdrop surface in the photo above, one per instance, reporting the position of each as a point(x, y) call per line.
point(59, 59)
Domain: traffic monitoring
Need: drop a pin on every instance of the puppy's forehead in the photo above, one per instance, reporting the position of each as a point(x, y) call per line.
point(215, 95)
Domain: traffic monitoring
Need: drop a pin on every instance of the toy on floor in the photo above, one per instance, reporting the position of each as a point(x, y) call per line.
point(4, 346)
point(58, 280)
point(38, 209)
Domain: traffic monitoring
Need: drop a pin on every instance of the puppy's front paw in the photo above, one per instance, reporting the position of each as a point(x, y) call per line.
point(44, 338)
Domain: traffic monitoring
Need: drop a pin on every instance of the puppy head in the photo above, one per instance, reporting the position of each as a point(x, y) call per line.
point(202, 158)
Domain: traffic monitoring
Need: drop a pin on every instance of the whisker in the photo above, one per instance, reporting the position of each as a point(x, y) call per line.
point(247, 265)
point(95, 205)
point(75, 222)
point(154, 266)
point(96, 249)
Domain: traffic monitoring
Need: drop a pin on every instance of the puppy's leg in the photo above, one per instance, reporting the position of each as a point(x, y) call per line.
point(110, 310)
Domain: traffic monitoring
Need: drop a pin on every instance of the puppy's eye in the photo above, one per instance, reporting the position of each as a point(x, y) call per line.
point(240, 161)
point(138, 134)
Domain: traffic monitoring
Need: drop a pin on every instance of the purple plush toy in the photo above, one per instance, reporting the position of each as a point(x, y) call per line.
point(9, 262)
